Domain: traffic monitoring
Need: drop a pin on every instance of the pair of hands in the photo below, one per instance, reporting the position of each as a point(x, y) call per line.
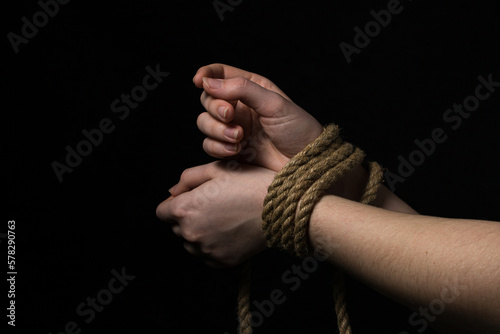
point(217, 207)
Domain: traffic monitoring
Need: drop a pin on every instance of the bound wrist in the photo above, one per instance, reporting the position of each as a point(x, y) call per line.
point(352, 185)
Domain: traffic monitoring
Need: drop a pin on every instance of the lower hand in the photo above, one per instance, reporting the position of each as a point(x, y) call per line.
point(217, 209)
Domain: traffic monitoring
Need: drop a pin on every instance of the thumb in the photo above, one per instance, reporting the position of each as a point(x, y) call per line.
point(265, 102)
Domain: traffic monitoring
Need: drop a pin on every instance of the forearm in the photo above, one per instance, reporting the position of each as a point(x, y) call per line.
point(415, 259)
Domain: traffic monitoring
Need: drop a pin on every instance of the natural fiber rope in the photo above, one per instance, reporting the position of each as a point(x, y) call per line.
point(304, 180)
point(340, 302)
point(313, 195)
point(244, 315)
point(280, 228)
point(376, 176)
point(370, 193)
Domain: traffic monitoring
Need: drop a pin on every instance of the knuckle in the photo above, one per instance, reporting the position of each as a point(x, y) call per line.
point(201, 120)
point(180, 211)
point(211, 169)
point(206, 249)
point(159, 212)
point(211, 148)
point(217, 166)
point(203, 97)
point(215, 127)
point(186, 174)
point(176, 230)
point(240, 82)
point(278, 102)
point(190, 235)
point(207, 147)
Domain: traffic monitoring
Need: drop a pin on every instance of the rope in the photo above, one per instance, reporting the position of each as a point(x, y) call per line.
point(340, 303)
point(244, 315)
point(290, 201)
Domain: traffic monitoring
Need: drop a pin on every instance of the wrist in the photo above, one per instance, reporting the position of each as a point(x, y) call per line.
point(326, 226)
point(352, 185)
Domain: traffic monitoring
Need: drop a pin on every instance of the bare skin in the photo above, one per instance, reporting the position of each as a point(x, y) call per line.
point(418, 261)
point(415, 259)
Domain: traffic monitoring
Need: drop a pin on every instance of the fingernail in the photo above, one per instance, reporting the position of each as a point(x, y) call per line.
point(231, 133)
point(212, 83)
point(231, 147)
point(222, 111)
point(172, 189)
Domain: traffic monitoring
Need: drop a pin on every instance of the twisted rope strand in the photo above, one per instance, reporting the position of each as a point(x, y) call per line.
point(284, 179)
point(289, 203)
point(376, 175)
point(340, 303)
point(283, 209)
point(314, 194)
point(244, 315)
point(372, 186)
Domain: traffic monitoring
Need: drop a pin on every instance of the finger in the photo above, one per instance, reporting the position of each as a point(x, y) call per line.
point(192, 178)
point(236, 112)
point(222, 71)
point(164, 210)
point(229, 133)
point(177, 230)
point(175, 209)
point(265, 102)
point(219, 149)
point(219, 109)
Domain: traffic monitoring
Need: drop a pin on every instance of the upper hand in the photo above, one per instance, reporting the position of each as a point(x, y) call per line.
point(249, 116)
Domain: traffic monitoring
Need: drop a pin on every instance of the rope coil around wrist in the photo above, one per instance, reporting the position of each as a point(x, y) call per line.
point(305, 179)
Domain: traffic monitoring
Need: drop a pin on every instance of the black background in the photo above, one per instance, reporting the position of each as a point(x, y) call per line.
point(70, 235)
